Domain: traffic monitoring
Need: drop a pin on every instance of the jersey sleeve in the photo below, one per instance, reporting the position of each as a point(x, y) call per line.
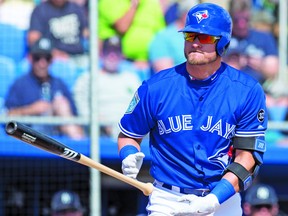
point(138, 118)
point(253, 119)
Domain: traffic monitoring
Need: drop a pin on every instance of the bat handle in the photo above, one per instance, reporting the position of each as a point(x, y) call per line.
point(146, 188)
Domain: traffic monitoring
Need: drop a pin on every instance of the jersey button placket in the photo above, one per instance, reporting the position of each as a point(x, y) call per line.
point(198, 154)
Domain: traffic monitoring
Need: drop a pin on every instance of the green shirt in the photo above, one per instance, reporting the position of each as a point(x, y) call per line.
point(148, 20)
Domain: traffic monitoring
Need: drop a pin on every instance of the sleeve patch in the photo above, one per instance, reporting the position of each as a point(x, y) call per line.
point(135, 100)
point(261, 115)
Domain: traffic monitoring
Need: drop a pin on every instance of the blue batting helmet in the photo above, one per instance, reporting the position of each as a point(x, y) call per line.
point(211, 19)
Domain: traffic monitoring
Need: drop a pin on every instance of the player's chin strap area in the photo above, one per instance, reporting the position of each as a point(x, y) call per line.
point(257, 146)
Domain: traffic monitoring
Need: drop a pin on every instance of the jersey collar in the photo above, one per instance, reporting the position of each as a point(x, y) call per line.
point(208, 80)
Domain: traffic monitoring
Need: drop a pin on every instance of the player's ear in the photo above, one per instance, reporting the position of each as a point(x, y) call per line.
point(222, 46)
point(226, 48)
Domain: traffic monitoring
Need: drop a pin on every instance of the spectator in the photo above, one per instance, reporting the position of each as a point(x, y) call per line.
point(277, 110)
point(166, 48)
point(266, 15)
point(84, 4)
point(66, 203)
point(258, 48)
point(38, 93)
point(136, 22)
point(116, 86)
point(65, 24)
point(263, 20)
point(14, 201)
point(234, 57)
point(171, 12)
point(260, 200)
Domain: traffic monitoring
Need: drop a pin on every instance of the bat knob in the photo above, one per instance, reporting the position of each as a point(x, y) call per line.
point(11, 127)
point(148, 189)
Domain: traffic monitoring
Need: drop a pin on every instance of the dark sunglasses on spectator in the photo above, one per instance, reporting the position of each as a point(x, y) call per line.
point(38, 57)
point(203, 38)
point(258, 207)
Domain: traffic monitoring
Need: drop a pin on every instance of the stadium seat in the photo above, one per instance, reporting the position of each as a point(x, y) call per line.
point(12, 42)
point(65, 70)
point(277, 113)
point(7, 76)
point(23, 67)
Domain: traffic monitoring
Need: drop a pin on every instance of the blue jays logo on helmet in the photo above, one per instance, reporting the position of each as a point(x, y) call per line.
point(200, 15)
point(211, 19)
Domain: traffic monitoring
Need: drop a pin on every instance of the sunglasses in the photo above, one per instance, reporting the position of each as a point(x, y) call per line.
point(37, 58)
point(258, 207)
point(203, 38)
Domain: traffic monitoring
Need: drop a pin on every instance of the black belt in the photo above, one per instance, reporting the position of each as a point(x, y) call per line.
point(197, 192)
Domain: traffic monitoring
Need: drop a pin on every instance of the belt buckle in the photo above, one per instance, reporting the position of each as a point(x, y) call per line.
point(197, 192)
point(203, 191)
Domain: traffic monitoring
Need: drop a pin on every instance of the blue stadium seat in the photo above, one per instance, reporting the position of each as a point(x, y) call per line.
point(7, 76)
point(65, 70)
point(23, 67)
point(12, 42)
point(277, 113)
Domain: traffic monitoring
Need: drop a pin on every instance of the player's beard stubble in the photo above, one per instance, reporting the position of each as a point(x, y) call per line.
point(200, 58)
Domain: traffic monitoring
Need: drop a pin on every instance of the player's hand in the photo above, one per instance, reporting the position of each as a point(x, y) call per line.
point(132, 163)
point(198, 206)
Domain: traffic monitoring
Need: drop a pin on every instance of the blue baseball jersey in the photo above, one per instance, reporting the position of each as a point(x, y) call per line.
point(191, 123)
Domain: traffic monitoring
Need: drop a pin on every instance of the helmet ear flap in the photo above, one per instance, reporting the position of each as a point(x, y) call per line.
point(222, 46)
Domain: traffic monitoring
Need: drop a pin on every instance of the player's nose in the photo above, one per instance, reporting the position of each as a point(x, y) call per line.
point(196, 42)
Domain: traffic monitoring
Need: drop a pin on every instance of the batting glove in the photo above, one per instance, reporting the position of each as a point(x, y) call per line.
point(131, 164)
point(198, 206)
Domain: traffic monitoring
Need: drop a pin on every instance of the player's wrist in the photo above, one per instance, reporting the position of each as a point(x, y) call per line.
point(223, 190)
point(127, 150)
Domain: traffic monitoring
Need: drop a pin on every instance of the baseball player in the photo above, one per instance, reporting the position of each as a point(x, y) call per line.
point(206, 123)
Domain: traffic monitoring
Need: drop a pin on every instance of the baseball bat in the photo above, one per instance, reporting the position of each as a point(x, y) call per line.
point(46, 143)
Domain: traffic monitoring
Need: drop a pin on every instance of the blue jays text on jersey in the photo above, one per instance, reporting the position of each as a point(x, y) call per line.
point(184, 122)
point(191, 122)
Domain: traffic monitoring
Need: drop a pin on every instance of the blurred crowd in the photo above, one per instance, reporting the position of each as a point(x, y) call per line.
point(45, 65)
point(260, 199)
point(136, 38)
